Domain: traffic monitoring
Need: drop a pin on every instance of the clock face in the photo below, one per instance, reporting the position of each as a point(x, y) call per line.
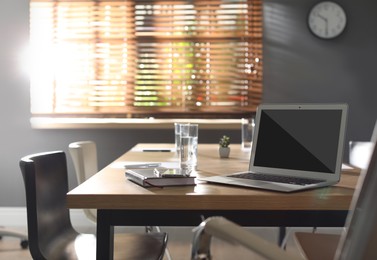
point(327, 20)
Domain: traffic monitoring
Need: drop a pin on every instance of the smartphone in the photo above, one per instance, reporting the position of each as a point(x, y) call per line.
point(169, 173)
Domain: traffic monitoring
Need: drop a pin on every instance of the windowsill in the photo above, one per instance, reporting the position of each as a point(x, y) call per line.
point(127, 123)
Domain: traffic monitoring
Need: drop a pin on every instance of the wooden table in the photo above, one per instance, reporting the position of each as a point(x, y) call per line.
point(123, 203)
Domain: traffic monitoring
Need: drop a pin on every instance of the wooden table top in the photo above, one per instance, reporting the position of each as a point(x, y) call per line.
point(109, 189)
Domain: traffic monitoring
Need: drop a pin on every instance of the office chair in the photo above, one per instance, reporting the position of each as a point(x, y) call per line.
point(85, 162)
point(84, 157)
point(51, 234)
point(357, 240)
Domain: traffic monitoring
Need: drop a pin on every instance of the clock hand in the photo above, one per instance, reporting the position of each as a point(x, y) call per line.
point(326, 23)
point(322, 17)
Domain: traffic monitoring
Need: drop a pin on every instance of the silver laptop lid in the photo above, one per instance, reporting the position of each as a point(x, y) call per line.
point(303, 140)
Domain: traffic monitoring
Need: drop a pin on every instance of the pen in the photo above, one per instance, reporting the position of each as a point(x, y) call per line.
point(158, 150)
point(142, 165)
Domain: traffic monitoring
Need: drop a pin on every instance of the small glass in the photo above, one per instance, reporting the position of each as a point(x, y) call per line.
point(247, 130)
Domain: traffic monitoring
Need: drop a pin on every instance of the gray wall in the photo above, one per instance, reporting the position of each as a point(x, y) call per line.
point(298, 68)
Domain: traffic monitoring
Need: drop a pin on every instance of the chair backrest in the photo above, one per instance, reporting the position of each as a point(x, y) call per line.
point(84, 157)
point(46, 185)
point(360, 234)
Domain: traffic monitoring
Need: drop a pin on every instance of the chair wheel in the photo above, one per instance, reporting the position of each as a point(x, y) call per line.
point(24, 244)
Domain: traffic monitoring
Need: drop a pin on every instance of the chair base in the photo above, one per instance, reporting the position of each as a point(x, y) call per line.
point(14, 233)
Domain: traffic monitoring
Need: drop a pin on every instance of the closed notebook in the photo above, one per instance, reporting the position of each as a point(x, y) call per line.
point(154, 177)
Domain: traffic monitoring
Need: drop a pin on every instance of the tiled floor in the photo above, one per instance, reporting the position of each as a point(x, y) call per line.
point(179, 245)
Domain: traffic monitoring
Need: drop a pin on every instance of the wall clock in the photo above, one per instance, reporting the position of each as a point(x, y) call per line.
point(327, 20)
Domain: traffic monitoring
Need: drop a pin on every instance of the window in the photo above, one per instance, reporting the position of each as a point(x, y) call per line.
point(131, 59)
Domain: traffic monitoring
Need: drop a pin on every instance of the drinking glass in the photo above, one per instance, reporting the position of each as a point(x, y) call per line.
point(188, 147)
point(247, 129)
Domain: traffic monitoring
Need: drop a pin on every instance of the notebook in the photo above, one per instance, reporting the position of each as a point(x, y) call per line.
point(159, 177)
point(295, 147)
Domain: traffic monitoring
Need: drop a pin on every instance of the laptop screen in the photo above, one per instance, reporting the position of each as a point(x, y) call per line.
point(304, 139)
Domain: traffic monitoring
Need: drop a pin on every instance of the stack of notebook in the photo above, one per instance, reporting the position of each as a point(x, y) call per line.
point(159, 177)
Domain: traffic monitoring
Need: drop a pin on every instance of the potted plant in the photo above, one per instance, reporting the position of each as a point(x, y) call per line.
point(224, 149)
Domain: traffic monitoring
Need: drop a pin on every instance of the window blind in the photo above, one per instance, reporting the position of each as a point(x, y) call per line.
point(146, 58)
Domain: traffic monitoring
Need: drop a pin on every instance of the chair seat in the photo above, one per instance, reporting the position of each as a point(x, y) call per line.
point(317, 246)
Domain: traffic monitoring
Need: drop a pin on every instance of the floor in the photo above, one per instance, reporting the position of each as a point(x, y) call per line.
point(179, 246)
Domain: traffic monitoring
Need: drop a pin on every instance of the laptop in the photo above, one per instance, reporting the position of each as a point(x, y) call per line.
point(295, 147)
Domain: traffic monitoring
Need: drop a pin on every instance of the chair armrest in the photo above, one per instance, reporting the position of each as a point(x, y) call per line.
point(226, 230)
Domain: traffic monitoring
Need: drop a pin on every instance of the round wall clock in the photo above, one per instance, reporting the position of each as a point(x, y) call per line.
point(327, 20)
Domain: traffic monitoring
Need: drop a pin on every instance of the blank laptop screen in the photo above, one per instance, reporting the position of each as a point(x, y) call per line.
point(298, 139)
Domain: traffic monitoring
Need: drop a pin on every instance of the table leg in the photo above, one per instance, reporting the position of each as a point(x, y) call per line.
point(105, 237)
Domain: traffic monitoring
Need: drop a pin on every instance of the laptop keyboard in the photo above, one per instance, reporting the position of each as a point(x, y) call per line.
point(276, 178)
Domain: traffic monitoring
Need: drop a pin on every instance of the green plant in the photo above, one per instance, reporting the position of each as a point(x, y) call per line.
point(224, 141)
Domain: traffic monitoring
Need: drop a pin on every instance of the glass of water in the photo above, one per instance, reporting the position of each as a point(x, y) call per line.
point(247, 130)
point(188, 154)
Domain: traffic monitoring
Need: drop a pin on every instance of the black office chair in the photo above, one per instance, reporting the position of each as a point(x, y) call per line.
point(51, 235)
